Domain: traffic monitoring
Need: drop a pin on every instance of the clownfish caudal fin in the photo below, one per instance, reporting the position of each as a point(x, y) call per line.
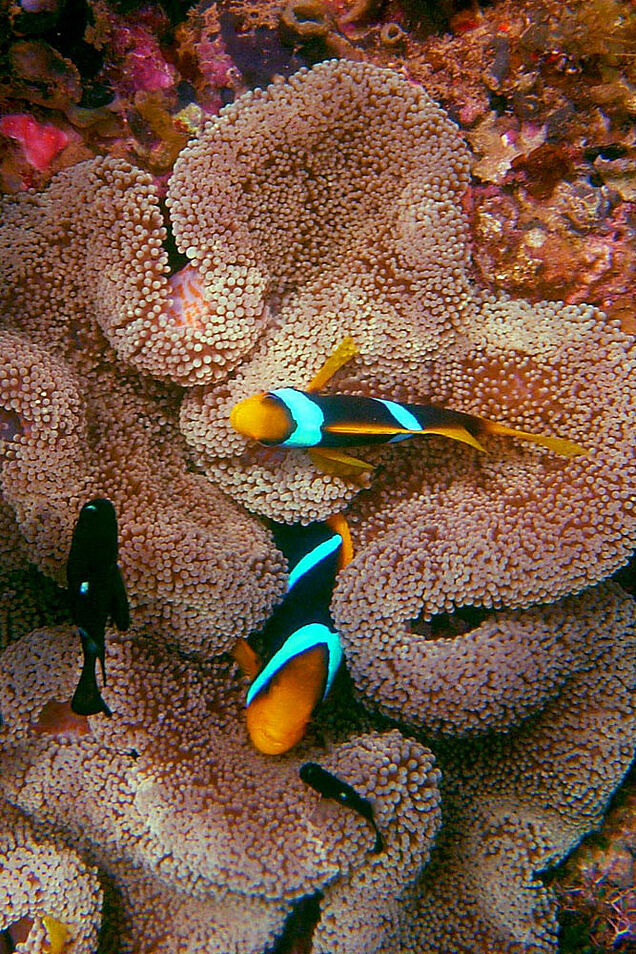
point(338, 464)
point(557, 444)
point(248, 660)
point(345, 351)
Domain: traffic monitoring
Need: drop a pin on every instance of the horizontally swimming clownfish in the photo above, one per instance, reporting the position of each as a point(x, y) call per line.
point(96, 594)
point(330, 786)
point(324, 423)
point(306, 648)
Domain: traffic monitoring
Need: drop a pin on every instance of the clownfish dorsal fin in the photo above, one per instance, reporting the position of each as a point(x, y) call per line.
point(559, 445)
point(345, 351)
point(338, 464)
point(338, 523)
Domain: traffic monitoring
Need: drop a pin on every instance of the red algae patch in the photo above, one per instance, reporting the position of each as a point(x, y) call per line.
point(57, 718)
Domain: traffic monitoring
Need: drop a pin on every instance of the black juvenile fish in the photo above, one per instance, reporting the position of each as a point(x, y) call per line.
point(96, 594)
point(330, 786)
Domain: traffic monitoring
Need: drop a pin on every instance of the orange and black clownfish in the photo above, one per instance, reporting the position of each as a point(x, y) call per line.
point(323, 424)
point(306, 648)
point(96, 594)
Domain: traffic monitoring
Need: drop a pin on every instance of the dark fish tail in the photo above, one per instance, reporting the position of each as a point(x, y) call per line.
point(379, 842)
point(87, 699)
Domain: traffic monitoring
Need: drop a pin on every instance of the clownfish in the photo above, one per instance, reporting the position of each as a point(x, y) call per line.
point(307, 653)
point(96, 594)
point(330, 786)
point(325, 423)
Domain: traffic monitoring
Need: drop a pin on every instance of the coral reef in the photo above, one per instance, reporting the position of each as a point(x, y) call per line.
point(488, 708)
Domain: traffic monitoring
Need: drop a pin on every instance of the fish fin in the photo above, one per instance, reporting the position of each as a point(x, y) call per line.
point(336, 463)
point(456, 433)
point(345, 351)
point(247, 658)
point(57, 932)
point(557, 444)
point(368, 430)
point(87, 699)
point(379, 842)
point(338, 523)
point(119, 609)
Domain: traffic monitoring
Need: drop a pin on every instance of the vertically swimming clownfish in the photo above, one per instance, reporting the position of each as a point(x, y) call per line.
point(326, 423)
point(96, 594)
point(330, 786)
point(306, 652)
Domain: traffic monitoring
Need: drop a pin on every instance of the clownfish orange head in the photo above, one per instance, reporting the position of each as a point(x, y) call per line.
point(262, 418)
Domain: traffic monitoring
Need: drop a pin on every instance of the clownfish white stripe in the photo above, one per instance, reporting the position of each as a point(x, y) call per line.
point(303, 639)
point(305, 414)
point(402, 415)
point(313, 558)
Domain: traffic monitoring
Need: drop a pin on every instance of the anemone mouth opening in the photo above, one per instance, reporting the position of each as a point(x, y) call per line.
point(10, 425)
point(299, 927)
point(462, 620)
point(57, 718)
point(16, 933)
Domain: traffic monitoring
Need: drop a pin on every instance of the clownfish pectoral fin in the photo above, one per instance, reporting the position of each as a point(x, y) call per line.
point(247, 658)
point(345, 351)
point(57, 934)
point(456, 433)
point(557, 444)
point(338, 464)
point(338, 523)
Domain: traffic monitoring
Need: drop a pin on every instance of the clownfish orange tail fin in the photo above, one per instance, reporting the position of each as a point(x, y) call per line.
point(247, 659)
point(557, 444)
point(345, 351)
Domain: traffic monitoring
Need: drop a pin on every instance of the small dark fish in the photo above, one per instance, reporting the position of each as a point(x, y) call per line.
point(330, 786)
point(96, 594)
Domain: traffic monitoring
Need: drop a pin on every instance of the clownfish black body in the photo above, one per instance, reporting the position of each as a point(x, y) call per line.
point(97, 594)
point(324, 424)
point(330, 786)
point(304, 648)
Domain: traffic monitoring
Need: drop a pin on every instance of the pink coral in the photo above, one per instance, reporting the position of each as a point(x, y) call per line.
point(41, 142)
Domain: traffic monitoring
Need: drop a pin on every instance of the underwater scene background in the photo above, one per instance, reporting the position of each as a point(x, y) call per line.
point(282, 698)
